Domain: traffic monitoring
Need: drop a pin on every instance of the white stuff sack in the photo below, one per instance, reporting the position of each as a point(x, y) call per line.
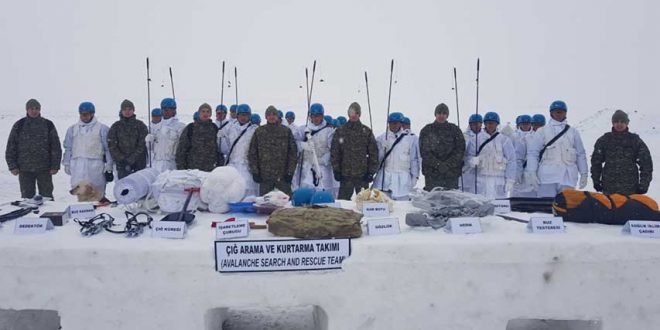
point(222, 186)
point(169, 189)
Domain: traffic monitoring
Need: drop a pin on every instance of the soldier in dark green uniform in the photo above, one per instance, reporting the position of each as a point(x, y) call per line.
point(34, 152)
point(442, 146)
point(354, 154)
point(273, 155)
point(628, 165)
point(198, 144)
point(126, 141)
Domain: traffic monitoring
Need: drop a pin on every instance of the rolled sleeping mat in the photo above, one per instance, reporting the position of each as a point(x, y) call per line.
point(135, 186)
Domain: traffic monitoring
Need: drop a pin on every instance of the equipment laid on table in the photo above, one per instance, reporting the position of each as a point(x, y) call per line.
point(315, 222)
point(184, 216)
point(592, 207)
point(439, 205)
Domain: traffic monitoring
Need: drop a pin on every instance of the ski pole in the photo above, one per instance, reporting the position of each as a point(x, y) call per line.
point(149, 106)
point(222, 84)
point(366, 80)
point(476, 136)
point(236, 85)
point(389, 98)
point(172, 82)
point(458, 113)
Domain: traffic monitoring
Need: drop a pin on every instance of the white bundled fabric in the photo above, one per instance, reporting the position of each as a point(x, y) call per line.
point(169, 189)
point(135, 186)
point(222, 186)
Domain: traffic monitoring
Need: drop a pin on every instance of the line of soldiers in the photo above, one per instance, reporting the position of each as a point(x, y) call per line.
point(340, 156)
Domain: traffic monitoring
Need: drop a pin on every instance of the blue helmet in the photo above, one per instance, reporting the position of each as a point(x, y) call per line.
point(335, 123)
point(328, 119)
point(280, 114)
point(395, 117)
point(156, 112)
point(524, 119)
point(492, 116)
point(255, 119)
point(86, 107)
point(196, 115)
point(558, 105)
point(316, 109)
point(243, 108)
point(233, 108)
point(221, 108)
point(322, 197)
point(290, 114)
point(405, 121)
point(302, 196)
point(476, 118)
point(538, 119)
point(341, 120)
point(168, 102)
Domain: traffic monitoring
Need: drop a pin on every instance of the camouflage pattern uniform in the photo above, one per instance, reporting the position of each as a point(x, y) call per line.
point(628, 165)
point(198, 147)
point(273, 157)
point(442, 147)
point(34, 149)
point(127, 146)
point(354, 156)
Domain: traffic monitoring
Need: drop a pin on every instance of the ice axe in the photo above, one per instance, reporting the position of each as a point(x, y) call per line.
point(183, 215)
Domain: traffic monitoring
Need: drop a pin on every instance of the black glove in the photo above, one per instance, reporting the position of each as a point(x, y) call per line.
point(368, 177)
point(337, 176)
point(109, 176)
point(288, 178)
point(598, 186)
point(642, 189)
point(256, 178)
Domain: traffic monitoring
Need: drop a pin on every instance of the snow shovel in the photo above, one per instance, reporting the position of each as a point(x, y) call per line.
point(183, 215)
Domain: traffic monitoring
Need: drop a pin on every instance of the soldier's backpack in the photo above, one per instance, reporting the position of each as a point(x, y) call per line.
point(592, 207)
point(315, 222)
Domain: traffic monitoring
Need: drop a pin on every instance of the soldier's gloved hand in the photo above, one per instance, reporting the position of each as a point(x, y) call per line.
point(642, 189)
point(109, 176)
point(149, 138)
point(532, 179)
point(256, 178)
point(67, 169)
point(474, 161)
point(598, 186)
point(337, 176)
point(288, 178)
point(508, 188)
point(583, 181)
point(367, 177)
point(519, 178)
point(15, 171)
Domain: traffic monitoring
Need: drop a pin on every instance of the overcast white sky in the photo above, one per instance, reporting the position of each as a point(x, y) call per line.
point(592, 54)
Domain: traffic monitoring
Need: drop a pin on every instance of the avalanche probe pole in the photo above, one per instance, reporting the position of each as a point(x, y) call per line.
point(366, 80)
point(309, 107)
point(389, 98)
point(476, 136)
point(222, 85)
point(458, 113)
point(172, 83)
point(236, 85)
point(149, 106)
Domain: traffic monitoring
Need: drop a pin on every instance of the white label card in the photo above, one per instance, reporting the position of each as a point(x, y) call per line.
point(642, 228)
point(383, 226)
point(168, 229)
point(281, 255)
point(502, 206)
point(25, 226)
point(232, 229)
point(80, 211)
point(375, 210)
point(464, 225)
point(546, 225)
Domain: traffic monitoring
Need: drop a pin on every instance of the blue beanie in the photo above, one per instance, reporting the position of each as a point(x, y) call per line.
point(221, 108)
point(558, 105)
point(86, 107)
point(255, 119)
point(290, 114)
point(168, 103)
point(156, 112)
